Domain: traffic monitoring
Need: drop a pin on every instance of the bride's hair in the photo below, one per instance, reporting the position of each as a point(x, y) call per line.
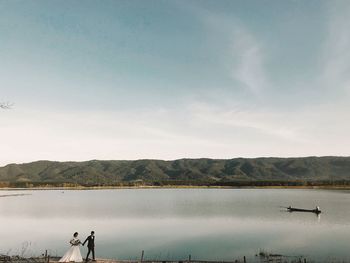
point(75, 234)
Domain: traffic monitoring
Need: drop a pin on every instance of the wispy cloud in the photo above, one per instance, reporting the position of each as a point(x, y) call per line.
point(198, 130)
point(336, 75)
point(259, 121)
point(240, 50)
point(248, 61)
point(161, 134)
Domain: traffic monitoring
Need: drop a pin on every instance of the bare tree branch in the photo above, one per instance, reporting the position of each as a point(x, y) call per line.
point(5, 105)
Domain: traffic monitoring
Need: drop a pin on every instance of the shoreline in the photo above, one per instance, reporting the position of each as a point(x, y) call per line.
point(261, 257)
point(313, 187)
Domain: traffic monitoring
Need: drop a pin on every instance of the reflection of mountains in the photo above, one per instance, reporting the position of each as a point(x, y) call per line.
point(181, 204)
point(183, 171)
point(207, 223)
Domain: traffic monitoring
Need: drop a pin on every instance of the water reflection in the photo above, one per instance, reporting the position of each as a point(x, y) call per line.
point(208, 224)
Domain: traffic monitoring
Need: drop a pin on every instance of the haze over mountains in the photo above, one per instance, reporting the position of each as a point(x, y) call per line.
point(182, 171)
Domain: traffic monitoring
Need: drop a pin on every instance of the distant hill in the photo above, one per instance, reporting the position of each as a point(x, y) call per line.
point(238, 171)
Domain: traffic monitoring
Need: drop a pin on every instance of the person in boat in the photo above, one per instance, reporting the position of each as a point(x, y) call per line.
point(318, 209)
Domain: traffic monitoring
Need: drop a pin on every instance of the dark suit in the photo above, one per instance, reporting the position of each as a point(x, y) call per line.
point(91, 246)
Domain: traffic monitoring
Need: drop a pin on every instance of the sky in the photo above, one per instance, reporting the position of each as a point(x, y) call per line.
point(174, 79)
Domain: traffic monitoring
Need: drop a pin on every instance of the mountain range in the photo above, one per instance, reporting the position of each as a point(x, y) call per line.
point(203, 171)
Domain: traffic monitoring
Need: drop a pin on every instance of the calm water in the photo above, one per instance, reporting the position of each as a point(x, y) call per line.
point(173, 223)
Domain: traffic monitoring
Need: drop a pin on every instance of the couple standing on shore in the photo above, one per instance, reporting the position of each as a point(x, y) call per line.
point(73, 254)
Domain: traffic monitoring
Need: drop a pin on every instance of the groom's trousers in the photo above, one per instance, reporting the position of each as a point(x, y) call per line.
point(90, 249)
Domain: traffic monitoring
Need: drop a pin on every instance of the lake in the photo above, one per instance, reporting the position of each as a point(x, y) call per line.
point(213, 224)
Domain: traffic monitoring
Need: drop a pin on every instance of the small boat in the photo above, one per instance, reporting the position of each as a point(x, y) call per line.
point(293, 209)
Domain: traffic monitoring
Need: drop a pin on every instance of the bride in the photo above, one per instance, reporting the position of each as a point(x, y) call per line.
point(73, 254)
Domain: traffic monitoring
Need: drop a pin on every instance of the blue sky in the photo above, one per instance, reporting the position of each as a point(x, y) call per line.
point(173, 79)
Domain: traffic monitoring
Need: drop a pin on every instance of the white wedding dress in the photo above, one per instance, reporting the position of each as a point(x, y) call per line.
point(73, 254)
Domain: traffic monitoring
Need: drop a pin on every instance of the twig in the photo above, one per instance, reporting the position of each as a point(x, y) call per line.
point(6, 105)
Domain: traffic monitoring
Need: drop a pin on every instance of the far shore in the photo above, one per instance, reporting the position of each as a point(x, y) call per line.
point(322, 187)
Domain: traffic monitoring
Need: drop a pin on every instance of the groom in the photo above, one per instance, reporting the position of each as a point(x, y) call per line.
point(91, 246)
